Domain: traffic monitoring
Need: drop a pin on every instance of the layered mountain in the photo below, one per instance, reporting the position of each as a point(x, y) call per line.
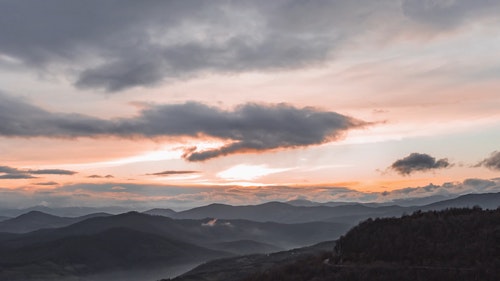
point(63, 211)
point(133, 241)
point(85, 255)
point(35, 220)
point(301, 211)
point(116, 247)
point(286, 213)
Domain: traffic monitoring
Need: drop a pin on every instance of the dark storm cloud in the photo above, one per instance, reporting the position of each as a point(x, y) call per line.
point(249, 127)
point(492, 162)
point(418, 162)
point(118, 44)
point(169, 173)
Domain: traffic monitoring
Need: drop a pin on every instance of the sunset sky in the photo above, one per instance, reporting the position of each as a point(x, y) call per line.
point(185, 103)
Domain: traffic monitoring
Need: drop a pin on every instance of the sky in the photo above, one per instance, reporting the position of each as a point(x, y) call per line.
point(185, 103)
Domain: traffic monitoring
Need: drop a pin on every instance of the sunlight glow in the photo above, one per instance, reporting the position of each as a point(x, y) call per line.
point(245, 172)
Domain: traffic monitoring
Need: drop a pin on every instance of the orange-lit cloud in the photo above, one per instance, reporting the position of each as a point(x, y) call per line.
point(149, 196)
point(249, 127)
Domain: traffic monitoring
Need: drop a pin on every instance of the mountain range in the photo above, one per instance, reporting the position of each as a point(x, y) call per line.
point(162, 243)
point(35, 220)
point(139, 241)
point(307, 211)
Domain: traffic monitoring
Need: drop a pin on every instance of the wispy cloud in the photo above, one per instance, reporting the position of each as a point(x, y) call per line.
point(16, 176)
point(418, 162)
point(51, 172)
point(491, 162)
point(48, 183)
point(100, 177)
point(172, 172)
point(14, 173)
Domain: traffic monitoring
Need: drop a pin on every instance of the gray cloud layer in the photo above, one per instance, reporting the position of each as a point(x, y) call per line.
point(492, 162)
point(14, 173)
point(418, 162)
point(249, 127)
point(117, 44)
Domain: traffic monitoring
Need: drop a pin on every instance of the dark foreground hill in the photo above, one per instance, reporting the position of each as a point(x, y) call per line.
point(455, 244)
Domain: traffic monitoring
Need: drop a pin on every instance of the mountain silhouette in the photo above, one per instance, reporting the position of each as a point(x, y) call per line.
point(112, 249)
point(35, 220)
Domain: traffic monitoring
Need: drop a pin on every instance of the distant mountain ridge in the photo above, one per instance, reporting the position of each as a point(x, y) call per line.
point(35, 220)
point(403, 202)
point(291, 212)
point(485, 201)
point(64, 211)
point(161, 212)
point(340, 212)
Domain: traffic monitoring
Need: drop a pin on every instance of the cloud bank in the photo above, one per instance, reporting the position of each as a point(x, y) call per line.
point(249, 127)
point(114, 45)
point(150, 196)
point(418, 162)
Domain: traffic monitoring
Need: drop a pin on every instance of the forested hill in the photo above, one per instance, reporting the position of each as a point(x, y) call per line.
point(454, 244)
